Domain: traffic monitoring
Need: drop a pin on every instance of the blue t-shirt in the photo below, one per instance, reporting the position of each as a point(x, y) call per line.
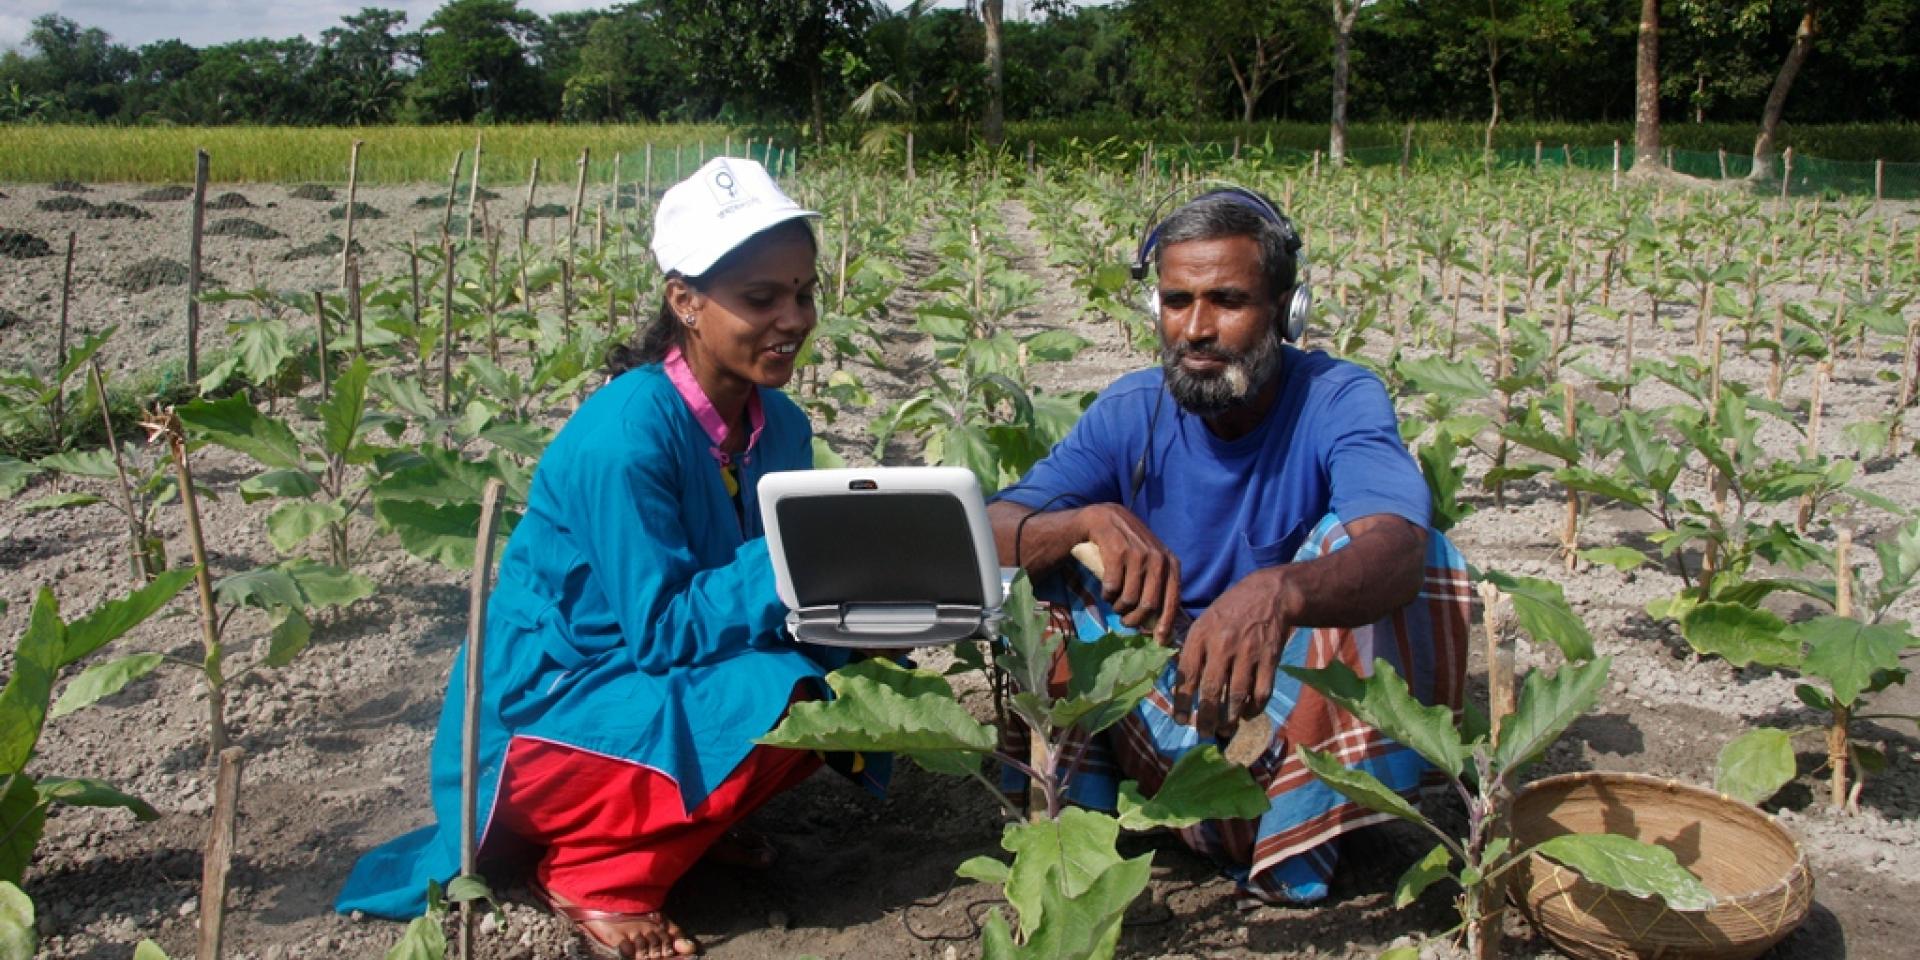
point(1229, 507)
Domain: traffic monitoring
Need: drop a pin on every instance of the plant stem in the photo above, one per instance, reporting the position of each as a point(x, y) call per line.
point(136, 526)
point(203, 582)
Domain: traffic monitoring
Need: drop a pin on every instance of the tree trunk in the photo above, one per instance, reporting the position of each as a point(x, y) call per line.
point(1343, 16)
point(1777, 98)
point(1646, 88)
point(995, 131)
point(819, 102)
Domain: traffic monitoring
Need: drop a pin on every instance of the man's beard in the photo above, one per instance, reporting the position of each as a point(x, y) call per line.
point(1233, 387)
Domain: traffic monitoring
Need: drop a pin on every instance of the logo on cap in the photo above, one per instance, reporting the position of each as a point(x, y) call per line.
point(725, 187)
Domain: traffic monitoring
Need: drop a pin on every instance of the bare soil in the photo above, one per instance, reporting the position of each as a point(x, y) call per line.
point(338, 741)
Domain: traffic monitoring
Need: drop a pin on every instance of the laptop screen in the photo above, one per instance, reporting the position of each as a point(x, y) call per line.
point(879, 547)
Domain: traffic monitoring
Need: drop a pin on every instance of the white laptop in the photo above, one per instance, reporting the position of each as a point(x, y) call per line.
point(882, 557)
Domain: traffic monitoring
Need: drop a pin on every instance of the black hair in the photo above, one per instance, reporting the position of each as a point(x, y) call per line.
point(666, 331)
point(1219, 215)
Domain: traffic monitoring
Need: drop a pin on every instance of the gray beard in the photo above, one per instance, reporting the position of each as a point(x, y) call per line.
point(1232, 388)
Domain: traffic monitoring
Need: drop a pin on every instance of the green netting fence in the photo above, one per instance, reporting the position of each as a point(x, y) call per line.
point(1798, 175)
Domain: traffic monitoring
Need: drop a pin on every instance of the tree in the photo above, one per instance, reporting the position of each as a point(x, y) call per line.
point(1257, 42)
point(755, 48)
point(474, 63)
point(1782, 83)
point(1646, 89)
point(1345, 12)
point(360, 65)
point(994, 126)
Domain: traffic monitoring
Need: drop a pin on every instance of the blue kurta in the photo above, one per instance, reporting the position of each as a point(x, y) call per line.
point(633, 618)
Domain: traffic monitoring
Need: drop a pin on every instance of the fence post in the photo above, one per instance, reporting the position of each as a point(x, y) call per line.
point(1786, 172)
point(646, 185)
point(1236, 146)
point(1536, 156)
point(910, 172)
point(1879, 180)
point(1032, 166)
point(1406, 149)
point(1566, 154)
point(1616, 164)
point(1723, 163)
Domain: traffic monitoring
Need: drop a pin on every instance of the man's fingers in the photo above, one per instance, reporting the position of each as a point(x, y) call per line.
point(1187, 676)
point(1246, 681)
point(1214, 677)
point(1269, 661)
point(1169, 601)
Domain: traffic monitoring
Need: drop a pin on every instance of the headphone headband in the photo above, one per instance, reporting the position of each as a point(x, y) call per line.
point(1299, 304)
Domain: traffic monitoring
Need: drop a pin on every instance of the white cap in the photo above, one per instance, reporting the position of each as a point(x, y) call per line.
point(726, 201)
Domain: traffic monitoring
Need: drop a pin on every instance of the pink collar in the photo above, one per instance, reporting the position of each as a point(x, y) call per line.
point(703, 410)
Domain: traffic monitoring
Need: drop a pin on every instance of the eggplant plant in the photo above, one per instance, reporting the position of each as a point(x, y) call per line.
point(1066, 881)
point(30, 395)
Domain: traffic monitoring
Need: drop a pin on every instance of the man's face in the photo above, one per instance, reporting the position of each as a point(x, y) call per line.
point(1218, 340)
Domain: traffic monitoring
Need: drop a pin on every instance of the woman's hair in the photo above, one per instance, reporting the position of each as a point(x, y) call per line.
point(666, 330)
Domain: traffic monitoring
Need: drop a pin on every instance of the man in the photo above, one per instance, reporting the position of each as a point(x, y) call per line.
point(1262, 495)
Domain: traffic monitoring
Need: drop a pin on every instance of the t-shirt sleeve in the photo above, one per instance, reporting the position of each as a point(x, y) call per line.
point(1369, 469)
point(1079, 470)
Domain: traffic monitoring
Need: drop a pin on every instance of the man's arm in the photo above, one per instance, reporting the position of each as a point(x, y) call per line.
point(1227, 663)
point(1142, 577)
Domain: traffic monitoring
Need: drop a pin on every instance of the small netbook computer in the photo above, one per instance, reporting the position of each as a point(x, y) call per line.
point(882, 557)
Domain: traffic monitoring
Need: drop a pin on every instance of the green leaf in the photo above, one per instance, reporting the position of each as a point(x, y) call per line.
point(1203, 785)
point(444, 534)
point(23, 702)
point(322, 585)
point(292, 484)
point(983, 869)
point(1431, 869)
point(112, 619)
point(1067, 857)
point(1031, 646)
point(1542, 609)
point(1386, 704)
point(1359, 786)
point(1630, 866)
point(148, 950)
point(465, 888)
point(236, 424)
point(880, 706)
point(19, 937)
point(263, 588)
point(1107, 678)
point(96, 463)
point(342, 414)
point(59, 501)
point(1054, 345)
point(1740, 634)
point(1755, 765)
point(1086, 925)
point(1600, 484)
point(104, 680)
point(823, 456)
point(1623, 559)
point(1438, 376)
point(1847, 653)
point(290, 636)
point(291, 523)
point(1397, 953)
point(14, 475)
point(84, 792)
point(1548, 704)
point(424, 939)
point(22, 819)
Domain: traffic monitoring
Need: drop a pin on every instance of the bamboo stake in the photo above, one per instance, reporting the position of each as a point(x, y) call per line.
point(320, 319)
point(199, 223)
point(419, 307)
point(137, 545)
point(616, 185)
point(353, 192)
point(526, 211)
point(453, 190)
point(217, 857)
point(477, 593)
point(579, 195)
point(1776, 378)
point(353, 305)
point(473, 187)
point(646, 187)
point(168, 425)
point(1821, 372)
point(1837, 747)
point(60, 348)
point(1570, 534)
point(446, 333)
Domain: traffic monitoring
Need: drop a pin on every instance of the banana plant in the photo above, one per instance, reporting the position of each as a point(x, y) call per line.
point(1067, 883)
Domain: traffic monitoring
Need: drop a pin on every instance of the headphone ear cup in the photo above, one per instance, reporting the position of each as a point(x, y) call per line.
point(1299, 306)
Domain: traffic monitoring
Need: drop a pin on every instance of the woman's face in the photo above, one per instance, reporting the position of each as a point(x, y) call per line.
point(754, 316)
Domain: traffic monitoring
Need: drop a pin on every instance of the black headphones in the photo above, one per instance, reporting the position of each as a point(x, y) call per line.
point(1299, 303)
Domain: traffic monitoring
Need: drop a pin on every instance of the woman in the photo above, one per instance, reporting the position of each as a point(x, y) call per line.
point(633, 645)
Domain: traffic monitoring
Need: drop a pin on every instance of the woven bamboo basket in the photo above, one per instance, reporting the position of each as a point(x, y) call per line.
point(1756, 871)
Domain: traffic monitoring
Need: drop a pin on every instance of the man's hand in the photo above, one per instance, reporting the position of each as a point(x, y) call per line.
point(1142, 577)
point(1226, 666)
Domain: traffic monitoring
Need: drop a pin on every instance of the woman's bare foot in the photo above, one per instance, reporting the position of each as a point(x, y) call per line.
point(614, 935)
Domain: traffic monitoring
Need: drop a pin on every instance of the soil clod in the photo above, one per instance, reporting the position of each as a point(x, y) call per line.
point(150, 273)
point(243, 228)
point(230, 201)
point(312, 191)
point(63, 204)
point(8, 318)
point(21, 245)
point(171, 193)
point(68, 186)
point(546, 210)
point(328, 246)
point(362, 210)
point(118, 211)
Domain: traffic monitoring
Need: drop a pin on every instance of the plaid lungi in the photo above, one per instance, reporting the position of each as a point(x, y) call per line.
point(1285, 855)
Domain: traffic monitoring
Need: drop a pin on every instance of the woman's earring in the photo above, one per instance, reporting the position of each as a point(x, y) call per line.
point(687, 321)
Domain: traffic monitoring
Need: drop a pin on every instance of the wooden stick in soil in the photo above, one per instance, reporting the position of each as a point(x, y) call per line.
point(1837, 746)
point(526, 211)
point(353, 305)
point(1570, 534)
point(413, 268)
point(353, 192)
point(453, 191)
point(1821, 371)
point(136, 528)
point(169, 426)
point(1776, 379)
point(320, 348)
point(199, 223)
point(470, 724)
point(217, 856)
point(1486, 934)
point(60, 348)
point(579, 195)
point(446, 333)
point(473, 186)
